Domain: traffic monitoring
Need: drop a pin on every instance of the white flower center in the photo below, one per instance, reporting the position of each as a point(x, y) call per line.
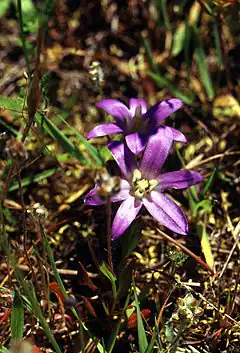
point(141, 187)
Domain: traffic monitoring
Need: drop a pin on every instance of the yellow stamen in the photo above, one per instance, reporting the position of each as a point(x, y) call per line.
point(141, 187)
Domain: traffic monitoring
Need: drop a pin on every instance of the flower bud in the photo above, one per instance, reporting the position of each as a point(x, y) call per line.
point(109, 185)
point(96, 73)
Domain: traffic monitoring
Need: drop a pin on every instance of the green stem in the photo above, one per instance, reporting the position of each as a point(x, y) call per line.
point(109, 234)
point(22, 35)
point(174, 343)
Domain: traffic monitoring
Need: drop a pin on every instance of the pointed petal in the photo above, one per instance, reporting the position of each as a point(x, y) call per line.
point(178, 180)
point(115, 108)
point(104, 129)
point(165, 211)
point(178, 136)
point(136, 142)
point(135, 102)
point(125, 215)
point(124, 157)
point(92, 199)
point(163, 109)
point(156, 152)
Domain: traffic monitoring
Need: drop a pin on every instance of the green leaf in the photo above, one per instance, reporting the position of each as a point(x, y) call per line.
point(163, 10)
point(142, 337)
point(17, 317)
point(125, 279)
point(114, 333)
point(3, 349)
point(193, 197)
point(90, 148)
point(13, 131)
point(54, 268)
point(47, 11)
point(15, 105)
point(208, 183)
point(59, 137)
point(4, 5)
point(130, 239)
point(27, 6)
point(108, 274)
point(205, 205)
point(34, 179)
point(148, 52)
point(217, 39)
point(162, 81)
point(178, 39)
point(150, 348)
point(205, 245)
point(30, 293)
point(202, 66)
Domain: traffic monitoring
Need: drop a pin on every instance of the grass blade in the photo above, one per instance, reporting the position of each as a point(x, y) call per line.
point(90, 148)
point(208, 183)
point(17, 317)
point(34, 179)
point(202, 66)
point(30, 293)
point(217, 40)
point(179, 39)
point(113, 337)
point(161, 81)
point(108, 274)
point(142, 337)
point(206, 246)
point(60, 137)
point(148, 52)
point(163, 10)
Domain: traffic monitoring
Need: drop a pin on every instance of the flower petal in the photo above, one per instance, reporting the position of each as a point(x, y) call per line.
point(124, 157)
point(178, 180)
point(104, 129)
point(156, 152)
point(178, 136)
point(123, 193)
point(92, 198)
point(135, 102)
point(125, 215)
point(162, 110)
point(165, 211)
point(136, 142)
point(115, 108)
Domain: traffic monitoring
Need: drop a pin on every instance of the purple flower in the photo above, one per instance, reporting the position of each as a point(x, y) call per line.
point(143, 185)
point(136, 123)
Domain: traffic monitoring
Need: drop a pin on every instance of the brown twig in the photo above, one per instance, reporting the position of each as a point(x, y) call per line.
point(216, 156)
point(186, 250)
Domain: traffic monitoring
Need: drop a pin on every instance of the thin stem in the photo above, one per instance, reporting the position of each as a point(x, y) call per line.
point(109, 234)
point(94, 257)
point(22, 35)
point(174, 343)
point(25, 230)
point(7, 182)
